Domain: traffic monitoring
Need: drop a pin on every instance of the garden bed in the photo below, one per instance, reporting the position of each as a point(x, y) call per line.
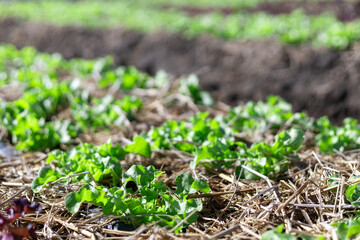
point(319, 81)
point(167, 160)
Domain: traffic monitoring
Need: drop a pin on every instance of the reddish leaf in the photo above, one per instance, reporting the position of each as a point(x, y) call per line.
point(23, 232)
point(20, 208)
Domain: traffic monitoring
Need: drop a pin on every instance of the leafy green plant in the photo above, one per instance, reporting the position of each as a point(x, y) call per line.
point(269, 160)
point(101, 162)
point(26, 118)
point(27, 64)
point(341, 138)
point(190, 87)
point(274, 112)
point(104, 112)
point(126, 78)
point(144, 199)
point(94, 68)
point(31, 119)
point(217, 151)
point(278, 234)
point(140, 146)
point(185, 135)
point(212, 143)
point(204, 3)
point(136, 193)
point(353, 194)
point(348, 228)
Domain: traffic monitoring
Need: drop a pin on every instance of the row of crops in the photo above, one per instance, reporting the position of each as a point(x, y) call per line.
point(57, 106)
point(202, 3)
point(294, 28)
point(44, 95)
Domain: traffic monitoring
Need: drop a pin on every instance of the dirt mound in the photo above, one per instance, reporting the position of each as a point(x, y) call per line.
point(318, 81)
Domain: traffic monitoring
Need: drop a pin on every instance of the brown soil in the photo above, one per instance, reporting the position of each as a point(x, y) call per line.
point(344, 11)
point(318, 81)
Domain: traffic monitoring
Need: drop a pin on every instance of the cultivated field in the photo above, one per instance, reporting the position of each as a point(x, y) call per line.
point(179, 120)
